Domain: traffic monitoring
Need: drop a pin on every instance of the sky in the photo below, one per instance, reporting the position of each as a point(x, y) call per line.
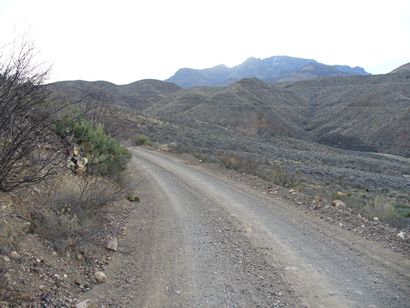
point(127, 40)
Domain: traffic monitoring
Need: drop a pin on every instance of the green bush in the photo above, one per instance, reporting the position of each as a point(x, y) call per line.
point(402, 210)
point(105, 155)
point(133, 198)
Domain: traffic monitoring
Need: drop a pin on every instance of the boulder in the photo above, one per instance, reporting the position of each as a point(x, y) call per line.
point(401, 235)
point(100, 277)
point(88, 303)
point(338, 204)
point(14, 255)
point(112, 243)
point(76, 150)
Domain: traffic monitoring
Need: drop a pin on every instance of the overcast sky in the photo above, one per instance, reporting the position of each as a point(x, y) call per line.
point(123, 41)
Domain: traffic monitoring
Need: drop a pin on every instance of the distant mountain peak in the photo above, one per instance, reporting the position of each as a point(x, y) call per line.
point(272, 69)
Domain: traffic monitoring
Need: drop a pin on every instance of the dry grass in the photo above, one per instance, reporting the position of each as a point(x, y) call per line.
point(73, 211)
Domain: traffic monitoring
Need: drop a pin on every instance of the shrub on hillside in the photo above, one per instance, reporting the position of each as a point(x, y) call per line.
point(105, 155)
point(283, 177)
point(142, 140)
point(240, 164)
point(28, 151)
point(380, 207)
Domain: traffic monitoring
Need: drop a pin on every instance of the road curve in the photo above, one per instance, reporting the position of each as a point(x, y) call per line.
point(204, 241)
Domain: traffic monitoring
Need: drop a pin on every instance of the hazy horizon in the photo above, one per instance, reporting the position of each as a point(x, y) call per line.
point(127, 41)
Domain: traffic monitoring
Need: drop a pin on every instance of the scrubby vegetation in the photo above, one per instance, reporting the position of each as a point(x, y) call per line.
point(43, 139)
point(70, 214)
point(375, 204)
point(104, 155)
point(142, 140)
point(28, 149)
point(275, 174)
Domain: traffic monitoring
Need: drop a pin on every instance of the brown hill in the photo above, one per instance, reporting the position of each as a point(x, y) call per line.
point(285, 124)
point(139, 95)
point(249, 107)
point(367, 113)
point(405, 68)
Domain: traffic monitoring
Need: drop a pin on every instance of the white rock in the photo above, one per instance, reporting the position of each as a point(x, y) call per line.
point(112, 243)
point(100, 277)
point(401, 235)
point(14, 255)
point(6, 259)
point(85, 304)
point(376, 218)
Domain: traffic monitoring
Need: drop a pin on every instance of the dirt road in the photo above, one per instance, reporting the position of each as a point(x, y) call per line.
point(199, 240)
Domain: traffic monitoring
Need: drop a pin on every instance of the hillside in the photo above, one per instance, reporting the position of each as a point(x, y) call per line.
point(138, 95)
point(366, 113)
point(405, 68)
point(271, 70)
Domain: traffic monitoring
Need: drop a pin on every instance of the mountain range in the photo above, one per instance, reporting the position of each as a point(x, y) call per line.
point(364, 113)
point(271, 70)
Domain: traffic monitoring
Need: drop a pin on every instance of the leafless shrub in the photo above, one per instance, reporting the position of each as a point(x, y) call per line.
point(97, 108)
point(241, 164)
point(283, 177)
point(28, 150)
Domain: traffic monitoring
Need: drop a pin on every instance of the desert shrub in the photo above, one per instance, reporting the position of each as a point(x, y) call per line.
point(402, 209)
point(105, 155)
point(24, 123)
point(73, 210)
point(142, 140)
point(381, 207)
point(133, 198)
point(229, 162)
point(282, 177)
point(177, 148)
point(200, 156)
point(241, 164)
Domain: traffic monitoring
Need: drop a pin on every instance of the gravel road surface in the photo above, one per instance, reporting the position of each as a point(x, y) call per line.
point(198, 239)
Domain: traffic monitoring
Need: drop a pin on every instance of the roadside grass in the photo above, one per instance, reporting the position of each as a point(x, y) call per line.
point(73, 211)
point(376, 204)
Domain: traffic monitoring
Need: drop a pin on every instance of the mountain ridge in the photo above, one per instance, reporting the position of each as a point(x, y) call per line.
point(362, 113)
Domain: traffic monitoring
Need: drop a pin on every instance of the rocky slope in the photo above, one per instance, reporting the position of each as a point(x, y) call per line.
point(273, 69)
point(365, 113)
